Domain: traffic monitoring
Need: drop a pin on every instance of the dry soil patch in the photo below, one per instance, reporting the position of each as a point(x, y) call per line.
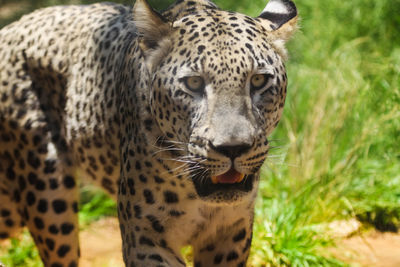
point(101, 247)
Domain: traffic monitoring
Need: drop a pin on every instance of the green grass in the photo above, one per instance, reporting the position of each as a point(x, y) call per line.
point(336, 151)
point(94, 205)
point(20, 253)
point(340, 132)
point(285, 233)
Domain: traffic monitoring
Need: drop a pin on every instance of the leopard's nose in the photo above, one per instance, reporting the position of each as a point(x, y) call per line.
point(232, 151)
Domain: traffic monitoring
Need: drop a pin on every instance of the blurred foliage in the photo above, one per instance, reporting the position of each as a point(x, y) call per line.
point(20, 253)
point(94, 205)
point(336, 153)
point(337, 149)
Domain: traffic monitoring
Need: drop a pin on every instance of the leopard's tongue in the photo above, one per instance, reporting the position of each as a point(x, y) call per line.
point(230, 177)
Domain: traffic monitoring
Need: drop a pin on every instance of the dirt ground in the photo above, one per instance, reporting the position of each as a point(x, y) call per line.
point(101, 247)
point(371, 249)
point(101, 244)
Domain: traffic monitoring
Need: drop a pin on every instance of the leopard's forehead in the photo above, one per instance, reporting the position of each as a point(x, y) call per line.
point(223, 43)
point(213, 24)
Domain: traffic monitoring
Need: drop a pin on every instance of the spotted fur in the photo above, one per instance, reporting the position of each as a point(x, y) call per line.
point(153, 108)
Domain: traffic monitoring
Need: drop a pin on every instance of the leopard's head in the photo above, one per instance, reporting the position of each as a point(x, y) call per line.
point(218, 87)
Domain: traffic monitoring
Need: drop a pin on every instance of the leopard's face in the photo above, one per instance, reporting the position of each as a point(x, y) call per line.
point(217, 90)
point(217, 95)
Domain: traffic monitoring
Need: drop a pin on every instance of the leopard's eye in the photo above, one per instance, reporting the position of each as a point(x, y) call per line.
point(195, 84)
point(258, 81)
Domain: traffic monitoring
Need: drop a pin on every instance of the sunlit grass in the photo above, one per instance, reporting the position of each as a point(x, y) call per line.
point(285, 230)
point(21, 252)
point(95, 204)
point(339, 135)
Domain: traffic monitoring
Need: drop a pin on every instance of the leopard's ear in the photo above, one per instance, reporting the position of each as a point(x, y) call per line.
point(153, 30)
point(280, 18)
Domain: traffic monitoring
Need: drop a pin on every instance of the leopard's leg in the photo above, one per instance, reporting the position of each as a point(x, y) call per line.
point(228, 246)
point(39, 179)
point(49, 207)
point(46, 193)
point(143, 235)
point(10, 220)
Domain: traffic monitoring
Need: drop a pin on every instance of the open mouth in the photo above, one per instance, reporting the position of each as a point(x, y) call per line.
point(230, 177)
point(228, 182)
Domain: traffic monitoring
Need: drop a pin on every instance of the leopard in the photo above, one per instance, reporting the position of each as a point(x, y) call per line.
point(169, 112)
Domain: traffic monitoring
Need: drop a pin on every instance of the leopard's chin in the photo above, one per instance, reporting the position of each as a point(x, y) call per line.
point(210, 191)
